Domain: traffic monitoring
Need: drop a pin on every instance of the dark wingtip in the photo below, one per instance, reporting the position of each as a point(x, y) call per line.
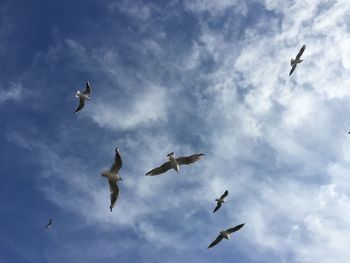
point(170, 154)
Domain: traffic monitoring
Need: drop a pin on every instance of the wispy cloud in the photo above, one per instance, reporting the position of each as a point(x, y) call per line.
point(14, 92)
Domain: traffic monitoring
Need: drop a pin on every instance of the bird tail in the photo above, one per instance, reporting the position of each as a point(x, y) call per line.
point(78, 93)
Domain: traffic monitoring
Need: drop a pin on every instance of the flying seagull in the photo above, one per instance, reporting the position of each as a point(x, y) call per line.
point(225, 234)
point(175, 163)
point(297, 60)
point(48, 226)
point(85, 95)
point(113, 177)
point(220, 201)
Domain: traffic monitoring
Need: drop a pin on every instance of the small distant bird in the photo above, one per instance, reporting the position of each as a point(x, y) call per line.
point(175, 163)
point(297, 60)
point(113, 177)
point(220, 201)
point(225, 234)
point(85, 95)
point(49, 225)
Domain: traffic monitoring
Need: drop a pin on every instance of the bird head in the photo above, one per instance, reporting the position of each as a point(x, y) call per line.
point(170, 154)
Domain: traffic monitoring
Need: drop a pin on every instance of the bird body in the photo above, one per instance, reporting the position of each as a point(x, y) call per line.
point(49, 225)
point(85, 95)
point(82, 95)
point(220, 201)
point(225, 234)
point(175, 163)
point(113, 177)
point(297, 60)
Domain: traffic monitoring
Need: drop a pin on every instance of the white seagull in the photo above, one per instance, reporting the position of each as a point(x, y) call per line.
point(225, 234)
point(85, 95)
point(297, 60)
point(220, 201)
point(113, 177)
point(48, 226)
point(175, 163)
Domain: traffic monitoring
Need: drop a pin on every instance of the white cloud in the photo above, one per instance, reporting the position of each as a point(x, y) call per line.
point(145, 110)
point(211, 6)
point(15, 92)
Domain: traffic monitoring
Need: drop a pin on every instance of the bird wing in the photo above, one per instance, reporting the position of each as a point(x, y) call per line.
point(301, 51)
point(114, 189)
point(87, 90)
point(217, 240)
point(292, 70)
point(218, 205)
point(189, 159)
point(50, 222)
point(224, 195)
point(117, 162)
point(161, 169)
point(234, 229)
point(81, 104)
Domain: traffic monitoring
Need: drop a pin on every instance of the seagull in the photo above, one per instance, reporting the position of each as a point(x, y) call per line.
point(297, 60)
point(220, 201)
point(175, 163)
point(113, 177)
point(225, 234)
point(85, 95)
point(48, 226)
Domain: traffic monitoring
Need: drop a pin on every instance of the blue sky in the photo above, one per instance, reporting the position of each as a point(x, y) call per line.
point(183, 76)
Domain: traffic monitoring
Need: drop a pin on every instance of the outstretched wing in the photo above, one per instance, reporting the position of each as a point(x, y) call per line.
point(189, 159)
point(114, 189)
point(234, 229)
point(218, 205)
point(81, 105)
point(161, 169)
point(217, 240)
point(301, 51)
point(117, 162)
point(87, 90)
point(292, 70)
point(224, 195)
